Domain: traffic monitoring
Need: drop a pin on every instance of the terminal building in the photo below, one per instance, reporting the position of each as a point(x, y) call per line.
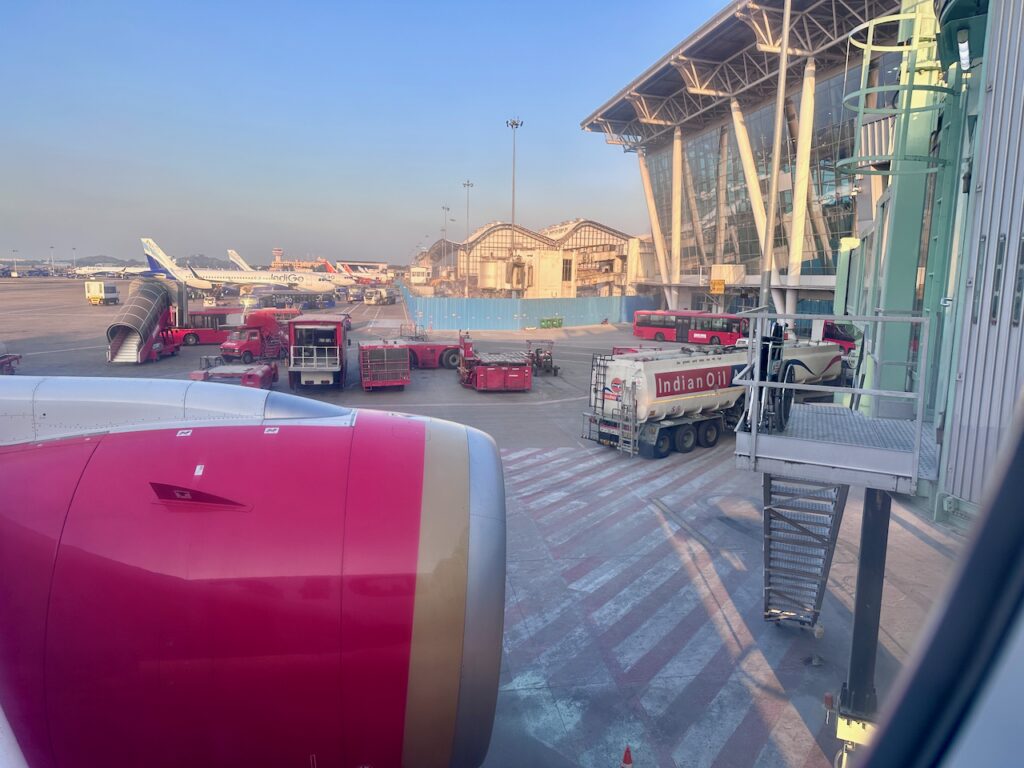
point(898, 163)
point(572, 259)
point(700, 121)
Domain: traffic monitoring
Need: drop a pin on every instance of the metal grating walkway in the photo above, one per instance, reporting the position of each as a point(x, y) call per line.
point(838, 424)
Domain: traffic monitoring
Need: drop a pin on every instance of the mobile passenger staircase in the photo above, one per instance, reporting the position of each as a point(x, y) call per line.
point(136, 335)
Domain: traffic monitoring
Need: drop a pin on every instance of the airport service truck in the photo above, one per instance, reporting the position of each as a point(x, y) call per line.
point(379, 296)
point(494, 371)
point(652, 402)
point(426, 353)
point(99, 292)
point(259, 338)
point(316, 346)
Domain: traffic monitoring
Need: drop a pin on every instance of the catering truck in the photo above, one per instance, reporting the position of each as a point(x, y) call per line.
point(316, 346)
point(99, 292)
point(654, 401)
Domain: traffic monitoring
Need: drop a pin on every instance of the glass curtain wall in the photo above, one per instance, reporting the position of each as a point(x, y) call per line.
point(831, 208)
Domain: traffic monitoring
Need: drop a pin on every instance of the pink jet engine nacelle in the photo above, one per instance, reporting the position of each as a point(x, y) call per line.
point(196, 574)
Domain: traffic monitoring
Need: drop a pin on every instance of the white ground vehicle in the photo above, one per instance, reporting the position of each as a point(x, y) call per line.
point(99, 292)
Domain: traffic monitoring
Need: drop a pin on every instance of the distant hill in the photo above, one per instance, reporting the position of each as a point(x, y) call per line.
point(92, 261)
point(202, 261)
point(199, 260)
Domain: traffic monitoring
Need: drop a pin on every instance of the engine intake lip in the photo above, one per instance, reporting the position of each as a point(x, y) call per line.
point(485, 603)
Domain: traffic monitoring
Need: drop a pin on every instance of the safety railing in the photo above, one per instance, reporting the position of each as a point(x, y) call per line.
point(315, 358)
point(863, 426)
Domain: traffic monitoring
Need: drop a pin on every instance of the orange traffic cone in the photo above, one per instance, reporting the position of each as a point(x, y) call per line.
point(627, 758)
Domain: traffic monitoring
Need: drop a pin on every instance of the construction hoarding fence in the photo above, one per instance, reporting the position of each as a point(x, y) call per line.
point(454, 313)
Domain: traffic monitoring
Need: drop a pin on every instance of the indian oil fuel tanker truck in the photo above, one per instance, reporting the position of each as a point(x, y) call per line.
point(654, 401)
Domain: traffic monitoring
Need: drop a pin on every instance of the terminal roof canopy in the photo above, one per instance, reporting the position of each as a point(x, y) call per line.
point(734, 54)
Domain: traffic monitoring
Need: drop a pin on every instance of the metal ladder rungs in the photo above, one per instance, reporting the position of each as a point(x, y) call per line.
point(801, 526)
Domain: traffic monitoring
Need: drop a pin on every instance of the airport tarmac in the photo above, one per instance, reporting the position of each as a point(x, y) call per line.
point(634, 590)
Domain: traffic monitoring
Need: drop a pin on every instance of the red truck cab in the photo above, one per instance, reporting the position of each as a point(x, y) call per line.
point(260, 338)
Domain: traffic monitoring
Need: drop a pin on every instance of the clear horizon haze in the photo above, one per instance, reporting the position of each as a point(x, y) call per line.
point(326, 129)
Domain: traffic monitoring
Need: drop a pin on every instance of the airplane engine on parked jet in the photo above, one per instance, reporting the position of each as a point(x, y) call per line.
point(200, 574)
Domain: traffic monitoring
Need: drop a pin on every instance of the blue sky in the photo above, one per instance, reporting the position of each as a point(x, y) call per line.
point(327, 128)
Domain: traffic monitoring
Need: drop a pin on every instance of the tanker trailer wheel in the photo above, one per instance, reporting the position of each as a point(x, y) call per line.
point(685, 438)
point(662, 445)
point(247, 357)
point(708, 433)
point(450, 359)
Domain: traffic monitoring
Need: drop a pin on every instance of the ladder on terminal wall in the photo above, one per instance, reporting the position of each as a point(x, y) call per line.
point(801, 525)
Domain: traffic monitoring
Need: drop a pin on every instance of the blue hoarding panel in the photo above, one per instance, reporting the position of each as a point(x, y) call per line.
point(455, 313)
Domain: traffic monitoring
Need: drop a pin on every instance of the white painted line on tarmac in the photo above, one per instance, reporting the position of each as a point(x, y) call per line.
point(55, 351)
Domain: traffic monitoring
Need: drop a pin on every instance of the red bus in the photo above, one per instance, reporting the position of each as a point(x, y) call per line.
point(210, 325)
point(690, 327)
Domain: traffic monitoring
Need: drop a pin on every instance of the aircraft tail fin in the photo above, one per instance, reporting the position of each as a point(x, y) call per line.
point(160, 261)
point(238, 261)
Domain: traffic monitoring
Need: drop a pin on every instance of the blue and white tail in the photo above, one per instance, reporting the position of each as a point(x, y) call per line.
point(160, 262)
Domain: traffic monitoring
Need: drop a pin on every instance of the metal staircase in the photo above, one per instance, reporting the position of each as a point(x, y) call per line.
point(801, 525)
point(125, 347)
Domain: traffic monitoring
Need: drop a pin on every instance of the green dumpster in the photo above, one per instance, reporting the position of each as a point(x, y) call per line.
point(551, 322)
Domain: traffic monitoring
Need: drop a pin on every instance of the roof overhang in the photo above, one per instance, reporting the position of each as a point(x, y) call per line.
point(733, 55)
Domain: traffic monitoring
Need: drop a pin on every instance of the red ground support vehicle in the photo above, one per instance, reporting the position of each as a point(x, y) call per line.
point(383, 364)
point(841, 335)
point(256, 375)
point(424, 353)
point(494, 371)
point(261, 338)
point(316, 346)
point(210, 325)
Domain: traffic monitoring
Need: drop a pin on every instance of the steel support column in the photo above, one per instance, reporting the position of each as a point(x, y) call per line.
point(802, 166)
point(858, 697)
point(753, 183)
point(769, 265)
point(691, 204)
point(818, 221)
point(677, 211)
point(721, 211)
point(652, 213)
point(750, 176)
